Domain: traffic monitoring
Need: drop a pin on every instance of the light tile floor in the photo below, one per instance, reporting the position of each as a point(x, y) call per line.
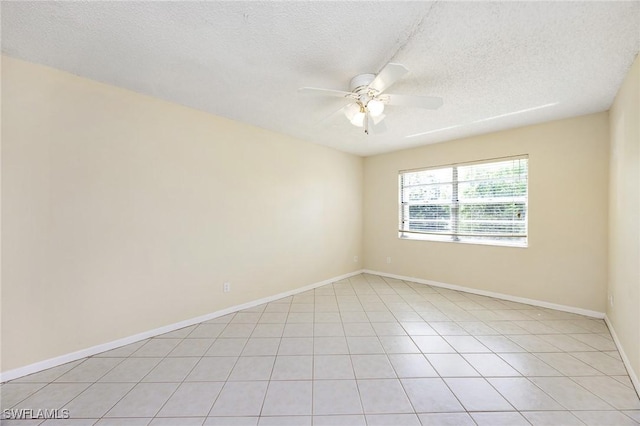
point(363, 351)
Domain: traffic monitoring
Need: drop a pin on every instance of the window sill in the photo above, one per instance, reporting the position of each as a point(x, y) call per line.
point(447, 239)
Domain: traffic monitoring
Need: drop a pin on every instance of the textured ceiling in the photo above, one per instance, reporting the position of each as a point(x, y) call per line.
point(497, 65)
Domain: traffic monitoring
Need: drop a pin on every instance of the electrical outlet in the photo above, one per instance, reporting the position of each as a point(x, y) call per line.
point(226, 287)
point(355, 258)
point(389, 259)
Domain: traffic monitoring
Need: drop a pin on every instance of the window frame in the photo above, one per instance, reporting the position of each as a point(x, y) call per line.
point(455, 236)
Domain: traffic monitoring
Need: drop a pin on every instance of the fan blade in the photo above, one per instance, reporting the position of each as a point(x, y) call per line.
point(324, 92)
point(377, 119)
point(428, 102)
point(379, 128)
point(389, 75)
point(334, 115)
point(374, 125)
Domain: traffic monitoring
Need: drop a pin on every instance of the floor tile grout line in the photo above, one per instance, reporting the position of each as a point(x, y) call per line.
point(275, 359)
point(96, 382)
point(192, 368)
point(177, 387)
point(165, 357)
point(379, 290)
point(364, 414)
point(397, 378)
point(45, 384)
point(483, 376)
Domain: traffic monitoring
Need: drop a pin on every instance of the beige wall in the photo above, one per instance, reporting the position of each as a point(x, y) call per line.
point(624, 214)
point(123, 213)
point(566, 261)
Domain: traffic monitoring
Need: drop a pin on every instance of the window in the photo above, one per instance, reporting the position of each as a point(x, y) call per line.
point(482, 202)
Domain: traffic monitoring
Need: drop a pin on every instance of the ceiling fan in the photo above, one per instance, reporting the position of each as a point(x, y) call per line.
point(366, 92)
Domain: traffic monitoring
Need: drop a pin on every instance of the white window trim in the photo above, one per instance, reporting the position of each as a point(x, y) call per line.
point(448, 238)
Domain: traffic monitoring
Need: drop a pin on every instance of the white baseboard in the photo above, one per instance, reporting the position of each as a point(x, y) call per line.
point(74, 356)
point(632, 374)
point(534, 302)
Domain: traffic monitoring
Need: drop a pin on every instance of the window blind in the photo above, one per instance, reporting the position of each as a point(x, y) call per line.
point(474, 202)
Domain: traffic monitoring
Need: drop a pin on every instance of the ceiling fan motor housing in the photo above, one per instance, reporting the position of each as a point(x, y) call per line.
point(359, 83)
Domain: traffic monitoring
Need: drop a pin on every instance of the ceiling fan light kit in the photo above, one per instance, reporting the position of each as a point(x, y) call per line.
point(369, 102)
point(375, 107)
point(358, 118)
